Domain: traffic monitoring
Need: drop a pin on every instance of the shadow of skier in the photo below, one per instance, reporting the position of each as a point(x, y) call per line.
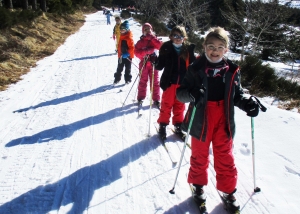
point(65, 131)
point(79, 187)
point(66, 99)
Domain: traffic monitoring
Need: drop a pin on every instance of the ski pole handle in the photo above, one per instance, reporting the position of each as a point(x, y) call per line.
point(261, 106)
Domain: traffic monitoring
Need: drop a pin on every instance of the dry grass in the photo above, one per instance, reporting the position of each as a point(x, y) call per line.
point(290, 105)
point(23, 45)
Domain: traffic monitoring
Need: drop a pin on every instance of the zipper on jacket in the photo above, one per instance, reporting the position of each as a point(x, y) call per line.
point(228, 103)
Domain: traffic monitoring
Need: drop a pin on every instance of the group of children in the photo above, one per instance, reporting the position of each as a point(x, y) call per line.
point(210, 83)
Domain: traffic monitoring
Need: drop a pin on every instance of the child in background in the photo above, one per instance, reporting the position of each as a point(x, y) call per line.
point(116, 31)
point(144, 50)
point(125, 53)
point(108, 15)
point(212, 84)
point(174, 57)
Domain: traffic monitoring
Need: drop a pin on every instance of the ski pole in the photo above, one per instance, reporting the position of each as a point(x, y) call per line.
point(133, 63)
point(256, 189)
point(262, 108)
point(129, 91)
point(182, 153)
point(133, 82)
point(140, 74)
point(151, 97)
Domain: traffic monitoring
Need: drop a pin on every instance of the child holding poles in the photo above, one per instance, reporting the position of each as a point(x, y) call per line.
point(125, 53)
point(174, 57)
point(212, 85)
point(144, 50)
point(116, 31)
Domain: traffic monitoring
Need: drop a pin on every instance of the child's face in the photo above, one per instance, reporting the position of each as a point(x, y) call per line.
point(147, 30)
point(123, 30)
point(118, 21)
point(215, 49)
point(177, 38)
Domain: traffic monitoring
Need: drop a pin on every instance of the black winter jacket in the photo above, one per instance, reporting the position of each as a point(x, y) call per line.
point(233, 96)
point(174, 66)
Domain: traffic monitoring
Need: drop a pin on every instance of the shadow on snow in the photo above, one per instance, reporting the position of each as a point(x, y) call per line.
point(88, 57)
point(78, 188)
point(65, 131)
point(189, 206)
point(72, 97)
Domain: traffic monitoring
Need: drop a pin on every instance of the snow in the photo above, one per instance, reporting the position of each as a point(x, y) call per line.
point(67, 146)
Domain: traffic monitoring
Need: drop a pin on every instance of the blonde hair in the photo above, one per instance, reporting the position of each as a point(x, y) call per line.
point(218, 33)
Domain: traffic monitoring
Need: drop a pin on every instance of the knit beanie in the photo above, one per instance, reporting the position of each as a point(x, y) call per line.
point(125, 25)
point(146, 24)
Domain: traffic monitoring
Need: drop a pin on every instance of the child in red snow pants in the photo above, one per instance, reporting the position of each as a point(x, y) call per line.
point(147, 74)
point(169, 103)
point(226, 173)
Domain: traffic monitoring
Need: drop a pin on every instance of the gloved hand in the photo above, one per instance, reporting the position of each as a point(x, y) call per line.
point(149, 36)
point(125, 55)
point(153, 58)
point(149, 50)
point(114, 37)
point(197, 95)
point(252, 108)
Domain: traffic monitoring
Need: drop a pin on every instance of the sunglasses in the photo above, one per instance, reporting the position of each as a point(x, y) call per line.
point(214, 48)
point(175, 36)
point(122, 28)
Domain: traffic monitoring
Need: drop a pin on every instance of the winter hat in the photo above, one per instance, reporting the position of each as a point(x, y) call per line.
point(125, 25)
point(146, 24)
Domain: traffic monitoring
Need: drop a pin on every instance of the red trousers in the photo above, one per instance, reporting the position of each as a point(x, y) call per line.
point(226, 173)
point(147, 74)
point(169, 104)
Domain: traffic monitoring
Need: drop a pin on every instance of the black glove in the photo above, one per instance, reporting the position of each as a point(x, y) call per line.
point(153, 58)
point(197, 95)
point(252, 108)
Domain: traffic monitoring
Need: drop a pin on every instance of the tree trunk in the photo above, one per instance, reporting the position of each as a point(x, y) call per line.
point(10, 6)
point(43, 5)
point(25, 5)
point(34, 4)
point(243, 47)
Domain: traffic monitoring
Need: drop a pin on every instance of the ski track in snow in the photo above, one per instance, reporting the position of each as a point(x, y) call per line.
point(68, 146)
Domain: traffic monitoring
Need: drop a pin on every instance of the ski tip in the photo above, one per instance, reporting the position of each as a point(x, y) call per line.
point(172, 191)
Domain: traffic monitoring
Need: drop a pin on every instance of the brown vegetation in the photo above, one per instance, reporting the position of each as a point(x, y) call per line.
point(24, 44)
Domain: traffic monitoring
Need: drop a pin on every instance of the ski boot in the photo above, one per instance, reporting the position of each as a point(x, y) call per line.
point(162, 131)
point(178, 131)
point(230, 202)
point(199, 197)
point(140, 102)
point(156, 104)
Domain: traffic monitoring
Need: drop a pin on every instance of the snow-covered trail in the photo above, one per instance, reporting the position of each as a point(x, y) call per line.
point(67, 146)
